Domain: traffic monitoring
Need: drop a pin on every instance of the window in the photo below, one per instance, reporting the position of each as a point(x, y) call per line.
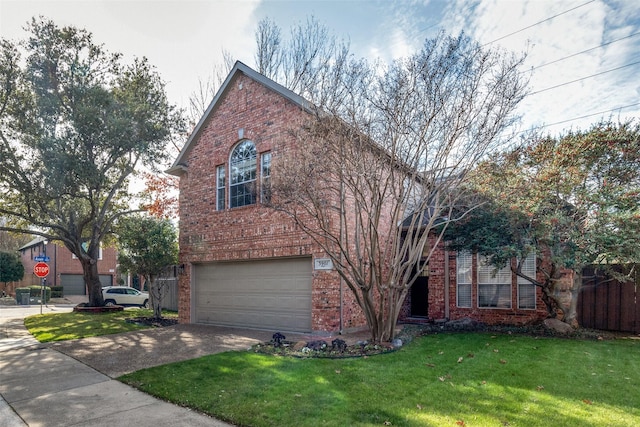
point(220, 185)
point(494, 287)
point(265, 173)
point(85, 246)
point(526, 289)
point(242, 170)
point(463, 287)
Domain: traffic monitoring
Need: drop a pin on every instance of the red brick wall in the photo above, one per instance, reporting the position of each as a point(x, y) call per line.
point(438, 287)
point(251, 111)
point(62, 262)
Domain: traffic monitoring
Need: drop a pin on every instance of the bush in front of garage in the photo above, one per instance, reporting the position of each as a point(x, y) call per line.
point(35, 293)
point(57, 291)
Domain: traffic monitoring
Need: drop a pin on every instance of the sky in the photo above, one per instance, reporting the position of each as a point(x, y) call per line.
point(583, 56)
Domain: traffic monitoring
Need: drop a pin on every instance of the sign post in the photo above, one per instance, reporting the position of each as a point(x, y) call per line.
point(41, 269)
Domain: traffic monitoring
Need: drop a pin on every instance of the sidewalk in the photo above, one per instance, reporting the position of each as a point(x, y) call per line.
point(41, 387)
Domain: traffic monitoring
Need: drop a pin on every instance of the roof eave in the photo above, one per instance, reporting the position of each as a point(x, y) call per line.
point(177, 170)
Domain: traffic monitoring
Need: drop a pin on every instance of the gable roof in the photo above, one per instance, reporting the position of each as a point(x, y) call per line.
point(179, 165)
point(35, 242)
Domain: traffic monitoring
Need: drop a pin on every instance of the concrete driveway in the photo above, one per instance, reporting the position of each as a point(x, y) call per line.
point(71, 383)
point(119, 354)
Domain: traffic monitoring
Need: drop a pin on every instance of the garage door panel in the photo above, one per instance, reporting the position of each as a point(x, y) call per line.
point(273, 294)
point(73, 284)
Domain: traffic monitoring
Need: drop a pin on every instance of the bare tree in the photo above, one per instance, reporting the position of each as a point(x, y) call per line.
point(268, 57)
point(304, 63)
point(378, 170)
point(200, 99)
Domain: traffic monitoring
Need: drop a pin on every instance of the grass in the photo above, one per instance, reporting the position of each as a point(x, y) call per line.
point(470, 379)
point(73, 325)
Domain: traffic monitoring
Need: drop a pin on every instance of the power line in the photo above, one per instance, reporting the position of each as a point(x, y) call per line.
point(539, 22)
point(585, 51)
point(583, 117)
point(584, 78)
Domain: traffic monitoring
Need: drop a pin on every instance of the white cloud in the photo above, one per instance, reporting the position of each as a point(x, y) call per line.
point(184, 39)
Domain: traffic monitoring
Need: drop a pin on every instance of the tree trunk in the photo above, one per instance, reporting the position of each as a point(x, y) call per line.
point(155, 296)
point(92, 281)
point(571, 315)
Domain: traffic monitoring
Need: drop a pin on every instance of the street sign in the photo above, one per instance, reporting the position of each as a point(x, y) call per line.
point(41, 258)
point(41, 269)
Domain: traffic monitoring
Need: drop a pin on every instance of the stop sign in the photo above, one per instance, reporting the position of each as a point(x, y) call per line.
point(41, 269)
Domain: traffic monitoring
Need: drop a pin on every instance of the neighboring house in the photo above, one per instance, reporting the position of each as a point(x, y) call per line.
point(248, 265)
point(64, 268)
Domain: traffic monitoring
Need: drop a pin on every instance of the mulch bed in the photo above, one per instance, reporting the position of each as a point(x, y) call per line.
point(279, 346)
point(153, 322)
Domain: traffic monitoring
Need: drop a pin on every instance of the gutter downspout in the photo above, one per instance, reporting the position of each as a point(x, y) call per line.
point(447, 284)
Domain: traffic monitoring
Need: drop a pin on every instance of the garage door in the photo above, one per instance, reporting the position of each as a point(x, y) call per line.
point(73, 284)
point(274, 294)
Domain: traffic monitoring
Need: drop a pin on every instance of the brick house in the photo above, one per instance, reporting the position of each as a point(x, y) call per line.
point(248, 265)
point(64, 268)
point(460, 285)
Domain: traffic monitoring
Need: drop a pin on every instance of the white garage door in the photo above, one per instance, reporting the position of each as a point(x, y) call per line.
point(273, 294)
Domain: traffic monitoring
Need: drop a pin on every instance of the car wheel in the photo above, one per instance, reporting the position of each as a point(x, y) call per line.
point(145, 304)
point(109, 303)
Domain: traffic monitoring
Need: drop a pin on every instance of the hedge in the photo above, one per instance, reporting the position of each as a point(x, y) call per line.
point(36, 292)
point(57, 291)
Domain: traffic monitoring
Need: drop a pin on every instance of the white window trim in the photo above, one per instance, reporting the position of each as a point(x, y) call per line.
point(237, 184)
point(481, 264)
point(459, 282)
point(265, 179)
point(221, 201)
point(84, 245)
point(529, 268)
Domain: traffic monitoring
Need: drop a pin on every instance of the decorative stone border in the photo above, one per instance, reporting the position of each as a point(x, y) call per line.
point(105, 309)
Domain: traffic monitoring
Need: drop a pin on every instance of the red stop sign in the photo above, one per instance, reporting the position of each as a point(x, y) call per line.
point(41, 269)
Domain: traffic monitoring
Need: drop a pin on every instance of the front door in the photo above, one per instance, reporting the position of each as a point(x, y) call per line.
point(420, 297)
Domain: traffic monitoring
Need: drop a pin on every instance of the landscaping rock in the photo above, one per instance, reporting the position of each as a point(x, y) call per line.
point(558, 326)
point(299, 346)
point(317, 345)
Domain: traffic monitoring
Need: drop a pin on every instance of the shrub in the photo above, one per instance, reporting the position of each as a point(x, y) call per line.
point(36, 292)
point(57, 291)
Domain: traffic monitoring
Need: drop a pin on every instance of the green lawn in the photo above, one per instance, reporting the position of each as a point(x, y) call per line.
point(438, 380)
point(73, 325)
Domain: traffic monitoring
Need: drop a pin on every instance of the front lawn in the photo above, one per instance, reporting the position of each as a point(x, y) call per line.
point(470, 379)
point(73, 325)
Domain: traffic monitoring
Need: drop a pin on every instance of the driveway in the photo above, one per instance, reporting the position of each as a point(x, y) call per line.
point(42, 387)
point(68, 383)
point(120, 354)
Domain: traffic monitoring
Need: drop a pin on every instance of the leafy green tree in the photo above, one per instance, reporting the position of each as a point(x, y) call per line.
point(75, 124)
point(573, 200)
point(148, 246)
point(11, 268)
point(10, 242)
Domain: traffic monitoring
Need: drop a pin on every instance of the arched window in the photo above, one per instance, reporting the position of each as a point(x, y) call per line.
point(242, 174)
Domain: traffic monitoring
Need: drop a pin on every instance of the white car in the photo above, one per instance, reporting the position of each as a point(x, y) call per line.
point(124, 295)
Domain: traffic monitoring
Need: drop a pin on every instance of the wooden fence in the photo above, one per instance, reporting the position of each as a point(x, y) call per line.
point(607, 304)
point(170, 293)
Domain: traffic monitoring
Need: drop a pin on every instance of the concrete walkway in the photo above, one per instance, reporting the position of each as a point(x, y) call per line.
point(40, 386)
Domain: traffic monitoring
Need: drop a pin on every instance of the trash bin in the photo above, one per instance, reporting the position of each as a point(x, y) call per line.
point(25, 299)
